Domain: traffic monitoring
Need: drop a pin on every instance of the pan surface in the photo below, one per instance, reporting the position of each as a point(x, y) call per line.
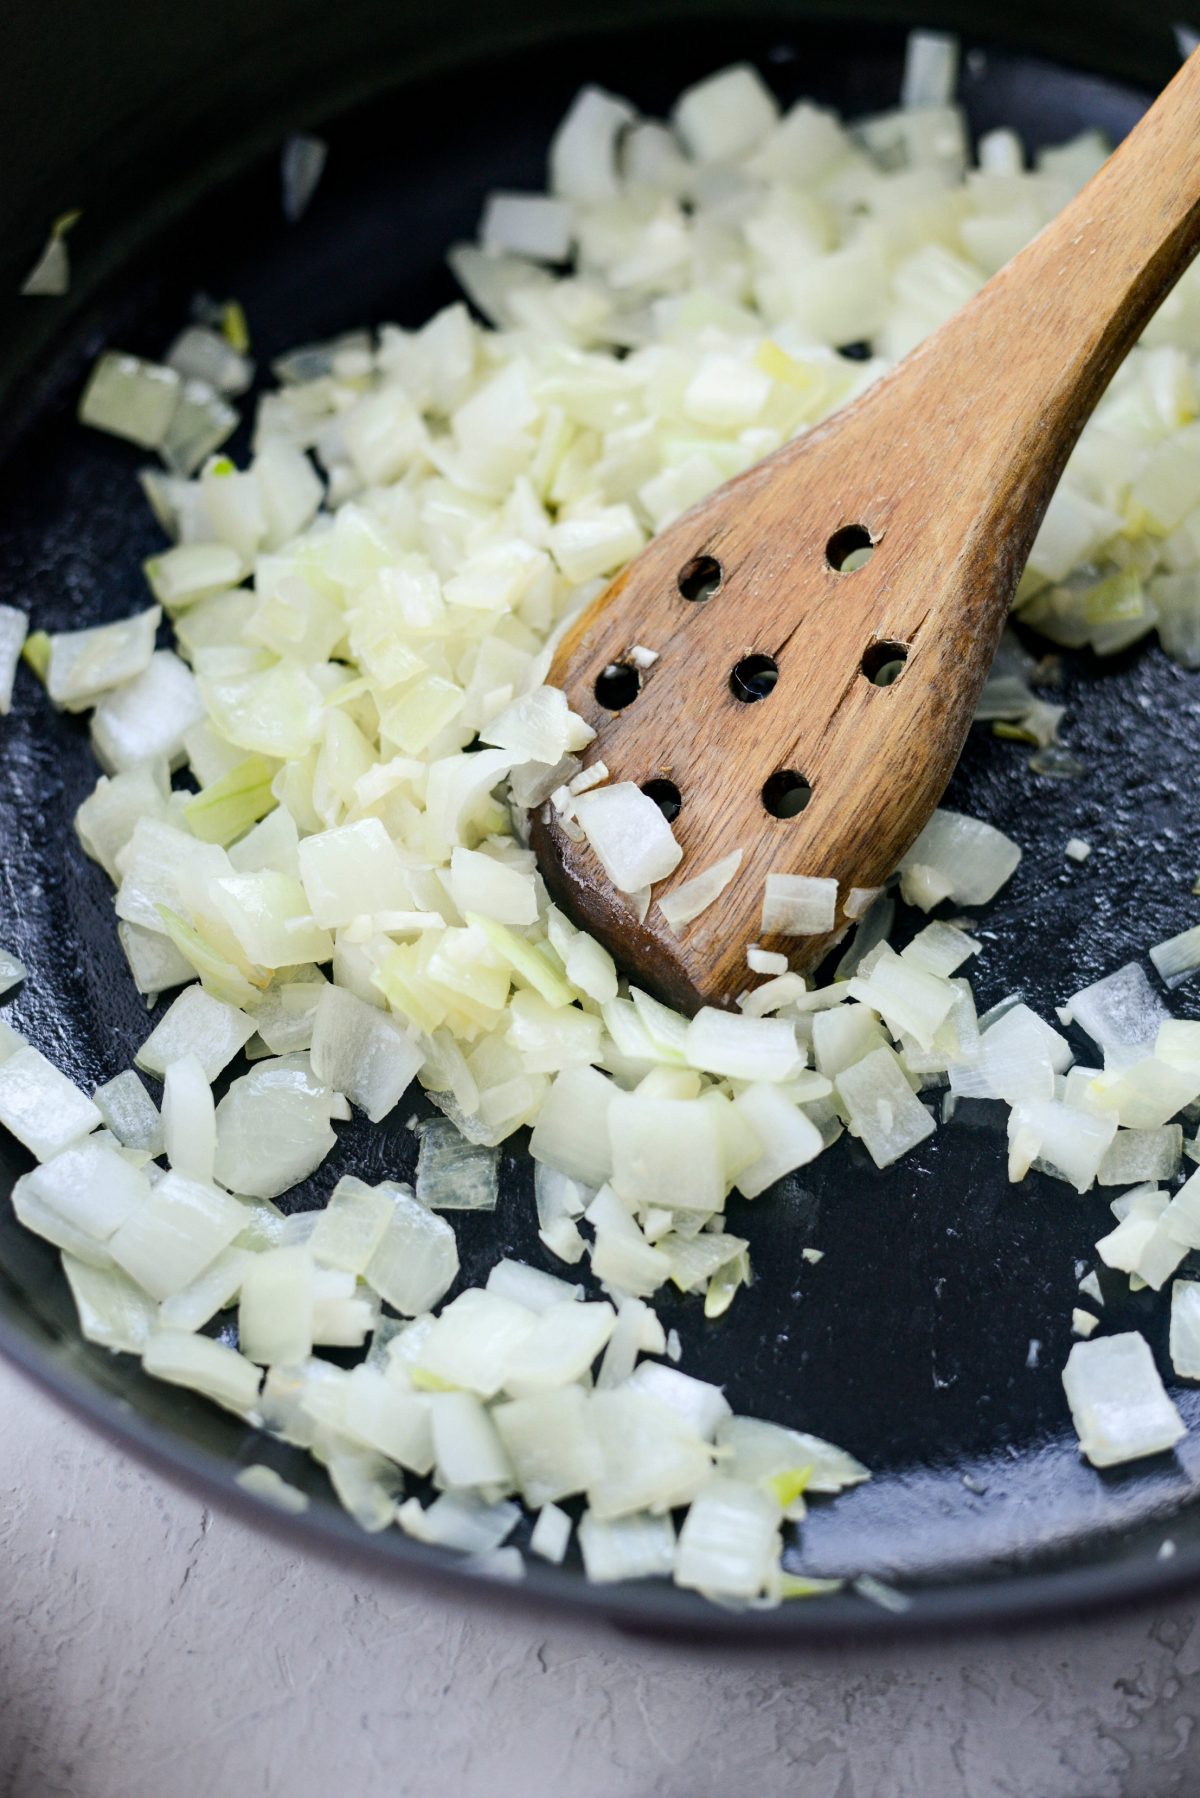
point(910, 1342)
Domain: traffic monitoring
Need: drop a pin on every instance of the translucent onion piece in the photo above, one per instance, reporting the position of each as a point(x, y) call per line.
point(12, 971)
point(264, 1483)
point(730, 1541)
point(209, 1367)
point(1185, 1329)
point(1121, 1013)
point(798, 905)
point(696, 895)
point(196, 1024)
point(361, 1052)
point(130, 398)
point(1178, 959)
point(41, 1107)
point(453, 1175)
point(633, 840)
point(416, 1261)
point(1118, 1405)
point(881, 1107)
point(300, 167)
point(179, 1227)
point(625, 1548)
point(188, 1119)
point(14, 627)
point(112, 1310)
point(957, 858)
point(130, 1113)
point(273, 1129)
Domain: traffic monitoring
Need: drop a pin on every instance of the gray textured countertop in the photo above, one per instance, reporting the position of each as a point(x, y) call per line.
point(150, 1648)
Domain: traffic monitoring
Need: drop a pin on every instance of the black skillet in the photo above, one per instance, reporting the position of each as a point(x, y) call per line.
point(910, 1342)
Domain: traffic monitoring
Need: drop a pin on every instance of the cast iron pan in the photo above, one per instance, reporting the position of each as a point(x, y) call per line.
point(910, 1342)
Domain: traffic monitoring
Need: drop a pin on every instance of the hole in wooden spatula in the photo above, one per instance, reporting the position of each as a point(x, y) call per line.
point(849, 548)
point(700, 578)
point(617, 686)
point(786, 794)
point(883, 662)
point(666, 796)
point(753, 678)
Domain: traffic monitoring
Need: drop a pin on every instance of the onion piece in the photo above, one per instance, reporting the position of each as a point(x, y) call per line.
point(651, 1460)
point(1178, 958)
point(571, 1134)
point(41, 1107)
point(147, 718)
point(453, 1175)
point(560, 1349)
point(415, 1262)
point(1121, 1013)
point(881, 1108)
point(86, 663)
point(730, 1542)
point(130, 1113)
point(687, 902)
point(930, 69)
point(527, 225)
point(550, 1443)
point(629, 834)
point(787, 1138)
point(665, 1146)
point(624, 1548)
point(583, 151)
point(273, 1128)
point(275, 1309)
point(14, 627)
point(264, 1483)
point(218, 1372)
point(359, 1051)
point(551, 1534)
point(742, 1048)
point(196, 1024)
point(177, 1230)
point(189, 1119)
point(213, 1290)
point(130, 398)
point(529, 1286)
point(726, 114)
point(798, 905)
point(112, 1309)
point(301, 163)
point(1118, 1405)
point(957, 858)
point(1185, 1329)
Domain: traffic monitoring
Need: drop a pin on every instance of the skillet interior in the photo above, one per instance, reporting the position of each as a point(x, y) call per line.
point(908, 1343)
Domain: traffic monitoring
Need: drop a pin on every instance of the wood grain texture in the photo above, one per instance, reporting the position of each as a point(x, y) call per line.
point(948, 462)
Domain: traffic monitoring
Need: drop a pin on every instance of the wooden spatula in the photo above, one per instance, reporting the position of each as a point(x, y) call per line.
point(790, 664)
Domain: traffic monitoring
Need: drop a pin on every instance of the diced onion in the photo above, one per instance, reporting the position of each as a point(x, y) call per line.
point(1118, 1405)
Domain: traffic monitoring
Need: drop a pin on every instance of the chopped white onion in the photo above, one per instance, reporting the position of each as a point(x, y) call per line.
point(41, 1107)
point(1118, 1405)
point(957, 858)
point(188, 1119)
point(1178, 958)
point(453, 1175)
point(628, 832)
point(301, 164)
point(687, 902)
point(415, 1263)
point(14, 627)
point(798, 905)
